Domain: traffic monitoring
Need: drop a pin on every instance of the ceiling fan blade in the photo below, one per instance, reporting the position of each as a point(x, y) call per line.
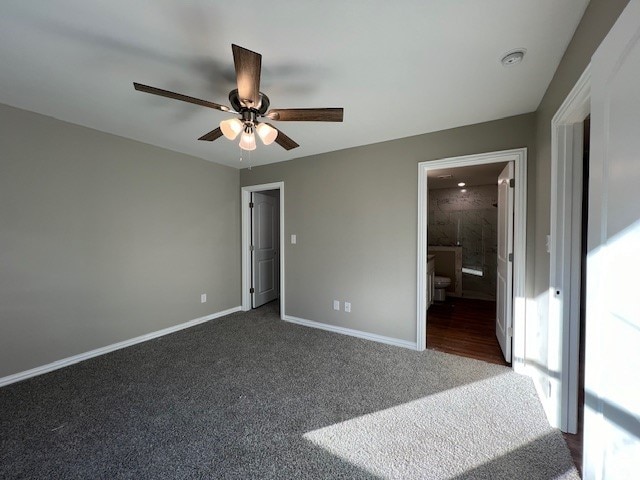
point(306, 114)
point(284, 141)
point(212, 135)
point(248, 65)
point(179, 96)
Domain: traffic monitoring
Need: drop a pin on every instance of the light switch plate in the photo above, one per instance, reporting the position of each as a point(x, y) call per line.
point(294, 238)
point(336, 305)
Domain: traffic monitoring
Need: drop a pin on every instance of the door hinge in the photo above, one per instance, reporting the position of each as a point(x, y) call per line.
point(251, 248)
point(250, 204)
point(510, 331)
point(512, 182)
point(511, 257)
point(251, 290)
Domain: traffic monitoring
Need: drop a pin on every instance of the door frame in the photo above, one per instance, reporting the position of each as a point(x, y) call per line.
point(519, 157)
point(567, 152)
point(246, 242)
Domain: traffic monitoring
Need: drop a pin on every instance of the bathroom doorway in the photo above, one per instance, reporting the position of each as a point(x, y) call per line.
point(463, 231)
point(464, 219)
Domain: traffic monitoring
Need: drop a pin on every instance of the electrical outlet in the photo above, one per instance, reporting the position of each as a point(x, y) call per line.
point(347, 307)
point(294, 239)
point(203, 298)
point(336, 305)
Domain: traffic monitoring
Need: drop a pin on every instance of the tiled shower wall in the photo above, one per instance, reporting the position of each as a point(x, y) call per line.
point(468, 219)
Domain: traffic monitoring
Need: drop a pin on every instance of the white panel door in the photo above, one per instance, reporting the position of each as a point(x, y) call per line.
point(504, 288)
point(612, 383)
point(265, 262)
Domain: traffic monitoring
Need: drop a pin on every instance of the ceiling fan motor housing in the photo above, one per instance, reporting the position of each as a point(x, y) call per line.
point(238, 106)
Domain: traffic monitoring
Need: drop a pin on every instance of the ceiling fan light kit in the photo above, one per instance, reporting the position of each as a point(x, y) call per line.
point(231, 128)
point(266, 133)
point(248, 139)
point(250, 105)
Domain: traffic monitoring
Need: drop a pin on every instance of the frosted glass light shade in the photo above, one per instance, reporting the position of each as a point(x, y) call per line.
point(266, 133)
point(231, 128)
point(247, 141)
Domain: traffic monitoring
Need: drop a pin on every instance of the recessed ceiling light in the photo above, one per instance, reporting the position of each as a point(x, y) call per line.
point(513, 57)
point(461, 184)
point(464, 190)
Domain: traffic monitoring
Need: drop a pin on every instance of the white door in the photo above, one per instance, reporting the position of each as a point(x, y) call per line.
point(612, 383)
point(265, 242)
point(504, 292)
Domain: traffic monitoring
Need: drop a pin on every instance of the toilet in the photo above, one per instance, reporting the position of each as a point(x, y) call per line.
point(440, 284)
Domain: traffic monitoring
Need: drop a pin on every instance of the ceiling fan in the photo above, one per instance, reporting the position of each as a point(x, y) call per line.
point(251, 105)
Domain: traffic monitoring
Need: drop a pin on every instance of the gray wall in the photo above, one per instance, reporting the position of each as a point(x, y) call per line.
point(355, 214)
point(103, 239)
point(596, 22)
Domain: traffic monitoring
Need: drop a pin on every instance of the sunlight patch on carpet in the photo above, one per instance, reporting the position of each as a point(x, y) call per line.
point(448, 434)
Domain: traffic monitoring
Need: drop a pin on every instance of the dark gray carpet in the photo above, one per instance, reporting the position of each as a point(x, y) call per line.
point(250, 396)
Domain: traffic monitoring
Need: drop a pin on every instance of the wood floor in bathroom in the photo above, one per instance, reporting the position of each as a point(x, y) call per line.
point(464, 327)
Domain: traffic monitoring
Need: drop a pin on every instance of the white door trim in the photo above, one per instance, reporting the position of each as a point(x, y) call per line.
point(246, 241)
point(519, 157)
point(564, 262)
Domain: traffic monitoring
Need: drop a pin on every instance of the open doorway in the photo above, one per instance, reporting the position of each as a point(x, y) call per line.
point(470, 223)
point(263, 246)
point(514, 326)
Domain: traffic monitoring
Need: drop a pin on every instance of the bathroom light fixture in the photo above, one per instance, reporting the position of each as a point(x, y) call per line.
point(461, 184)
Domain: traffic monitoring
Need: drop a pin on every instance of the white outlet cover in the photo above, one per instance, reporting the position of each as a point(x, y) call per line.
point(347, 307)
point(203, 298)
point(294, 239)
point(336, 305)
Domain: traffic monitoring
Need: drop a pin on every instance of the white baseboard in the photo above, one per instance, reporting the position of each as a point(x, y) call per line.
point(351, 332)
point(16, 377)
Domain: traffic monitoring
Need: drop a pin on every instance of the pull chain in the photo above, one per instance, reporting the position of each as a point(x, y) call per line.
point(248, 160)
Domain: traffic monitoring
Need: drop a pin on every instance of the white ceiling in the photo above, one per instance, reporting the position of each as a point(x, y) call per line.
point(399, 68)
